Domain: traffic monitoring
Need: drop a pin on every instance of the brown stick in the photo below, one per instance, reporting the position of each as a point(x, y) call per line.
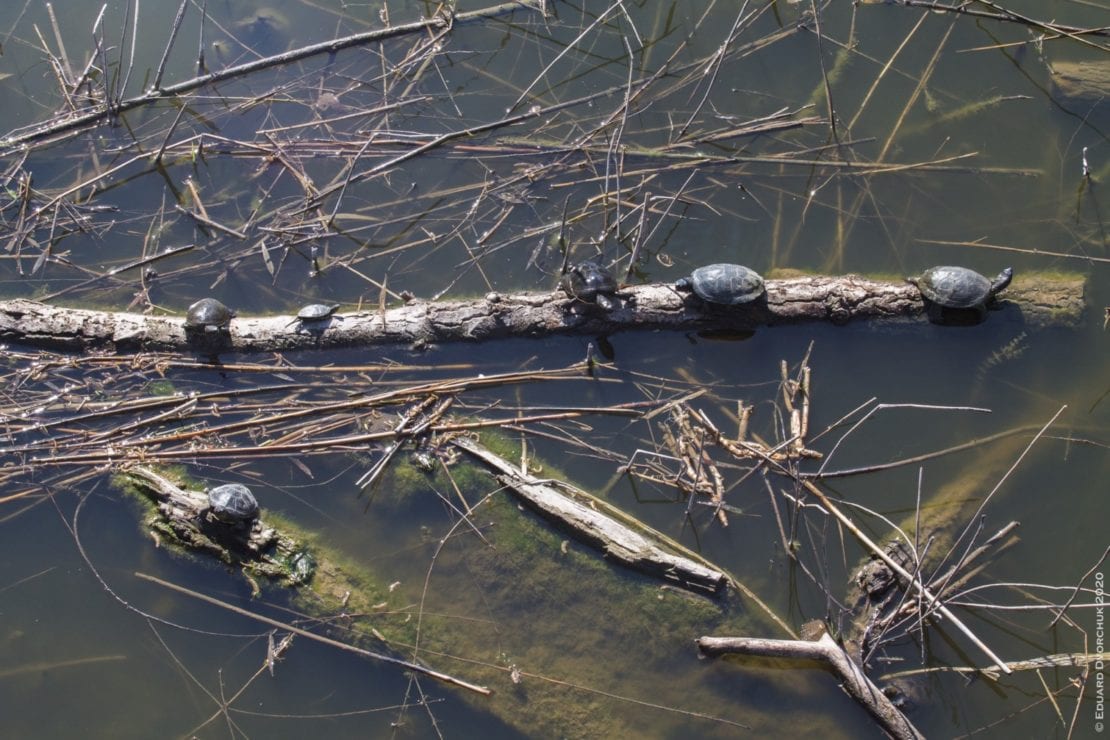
point(407, 665)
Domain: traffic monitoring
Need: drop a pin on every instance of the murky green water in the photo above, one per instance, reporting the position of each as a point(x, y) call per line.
point(982, 147)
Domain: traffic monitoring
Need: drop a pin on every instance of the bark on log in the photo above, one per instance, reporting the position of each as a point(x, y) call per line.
point(1033, 301)
point(824, 650)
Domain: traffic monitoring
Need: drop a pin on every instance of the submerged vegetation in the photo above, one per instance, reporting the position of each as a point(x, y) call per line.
point(303, 169)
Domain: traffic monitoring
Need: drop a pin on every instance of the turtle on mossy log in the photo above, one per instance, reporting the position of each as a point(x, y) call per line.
point(724, 284)
point(232, 503)
point(224, 522)
point(957, 295)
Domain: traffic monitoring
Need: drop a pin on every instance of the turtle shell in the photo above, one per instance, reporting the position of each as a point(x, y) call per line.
point(317, 311)
point(724, 284)
point(590, 282)
point(233, 502)
point(302, 566)
point(208, 312)
point(954, 287)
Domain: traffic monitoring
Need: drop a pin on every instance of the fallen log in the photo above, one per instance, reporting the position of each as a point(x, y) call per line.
point(824, 650)
point(618, 541)
point(1033, 300)
point(180, 519)
point(1081, 81)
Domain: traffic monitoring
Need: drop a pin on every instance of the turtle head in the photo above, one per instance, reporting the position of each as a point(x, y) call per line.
point(683, 284)
point(999, 284)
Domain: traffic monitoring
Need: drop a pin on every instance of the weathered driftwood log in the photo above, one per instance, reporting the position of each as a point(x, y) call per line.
point(618, 541)
point(824, 650)
point(1041, 300)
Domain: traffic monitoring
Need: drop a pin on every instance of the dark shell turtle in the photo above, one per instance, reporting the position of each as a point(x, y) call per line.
point(589, 282)
point(959, 287)
point(232, 503)
point(956, 294)
point(317, 311)
point(208, 315)
point(724, 284)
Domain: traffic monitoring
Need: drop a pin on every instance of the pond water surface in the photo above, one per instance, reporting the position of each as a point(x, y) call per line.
point(950, 144)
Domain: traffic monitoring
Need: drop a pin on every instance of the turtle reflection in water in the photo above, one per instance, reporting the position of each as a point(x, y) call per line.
point(957, 295)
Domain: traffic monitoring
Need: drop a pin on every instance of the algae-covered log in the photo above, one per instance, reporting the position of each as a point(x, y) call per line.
point(545, 625)
point(1033, 300)
point(1080, 81)
point(182, 517)
point(617, 540)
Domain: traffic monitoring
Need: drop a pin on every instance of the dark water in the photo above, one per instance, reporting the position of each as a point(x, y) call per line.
point(482, 212)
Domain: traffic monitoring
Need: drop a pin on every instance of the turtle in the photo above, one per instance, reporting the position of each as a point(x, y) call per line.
point(724, 284)
point(302, 566)
point(589, 282)
point(957, 293)
point(208, 316)
point(315, 312)
point(232, 503)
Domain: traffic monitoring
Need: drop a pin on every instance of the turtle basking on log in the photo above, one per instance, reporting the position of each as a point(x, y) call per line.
point(208, 316)
point(232, 503)
point(207, 325)
point(589, 282)
point(958, 295)
point(724, 284)
point(315, 315)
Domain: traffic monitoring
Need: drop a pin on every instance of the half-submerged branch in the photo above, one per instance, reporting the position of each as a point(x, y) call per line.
point(1035, 301)
point(824, 650)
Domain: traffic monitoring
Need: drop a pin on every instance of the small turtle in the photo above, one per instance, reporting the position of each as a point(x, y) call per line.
point(302, 566)
point(724, 284)
point(208, 315)
point(315, 312)
point(953, 294)
point(232, 503)
point(589, 282)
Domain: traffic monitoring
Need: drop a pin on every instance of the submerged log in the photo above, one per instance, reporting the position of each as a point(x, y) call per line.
point(1082, 81)
point(617, 540)
point(1033, 300)
point(180, 519)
